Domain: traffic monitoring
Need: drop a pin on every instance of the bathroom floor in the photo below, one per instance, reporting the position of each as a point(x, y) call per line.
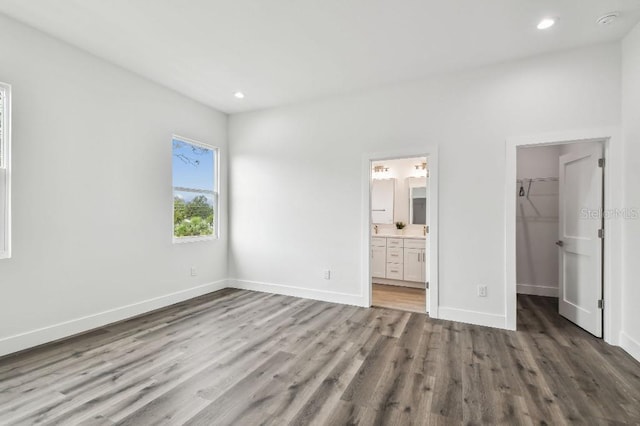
point(402, 298)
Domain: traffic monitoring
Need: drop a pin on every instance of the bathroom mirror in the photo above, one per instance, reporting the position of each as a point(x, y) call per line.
point(417, 201)
point(382, 196)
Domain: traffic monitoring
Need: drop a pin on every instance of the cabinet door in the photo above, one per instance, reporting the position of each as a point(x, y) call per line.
point(378, 262)
point(413, 265)
point(382, 197)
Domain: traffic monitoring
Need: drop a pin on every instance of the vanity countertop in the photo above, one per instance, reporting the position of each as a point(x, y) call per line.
point(413, 236)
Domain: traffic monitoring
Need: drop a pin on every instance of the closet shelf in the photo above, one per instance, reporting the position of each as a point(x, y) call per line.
point(522, 182)
point(540, 179)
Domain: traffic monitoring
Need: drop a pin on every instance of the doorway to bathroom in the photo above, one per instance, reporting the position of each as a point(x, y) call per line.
point(399, 228)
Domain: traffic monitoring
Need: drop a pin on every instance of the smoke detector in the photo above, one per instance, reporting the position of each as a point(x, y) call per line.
point(607, 19)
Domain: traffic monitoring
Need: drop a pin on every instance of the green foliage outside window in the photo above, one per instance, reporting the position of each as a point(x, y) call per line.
point(192, 218)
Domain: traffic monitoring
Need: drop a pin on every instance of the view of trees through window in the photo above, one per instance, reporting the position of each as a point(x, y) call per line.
point(194, 195)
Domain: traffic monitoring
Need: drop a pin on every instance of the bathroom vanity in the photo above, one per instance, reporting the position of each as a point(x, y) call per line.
point(399, 260)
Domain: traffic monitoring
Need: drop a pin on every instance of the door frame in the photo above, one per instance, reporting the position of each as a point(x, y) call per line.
point(431, 152)
point(612, 288)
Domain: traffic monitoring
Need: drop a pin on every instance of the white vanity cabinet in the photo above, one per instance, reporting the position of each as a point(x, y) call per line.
point(398, 259)
point(378, 257)
point(415, 260)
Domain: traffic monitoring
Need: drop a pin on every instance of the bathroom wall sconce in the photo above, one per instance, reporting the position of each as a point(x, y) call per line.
point(380, 169)
point(421, 170)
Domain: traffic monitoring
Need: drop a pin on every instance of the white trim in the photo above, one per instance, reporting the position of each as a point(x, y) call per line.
point(431, 152)
point(613, 199)
point(193, 141)
point(538, 290)
point(472, 317)
point(5, 246)
point(305, 293)
point(630, 345)
point(61, 330)
point(194, 239)
point(216, 191)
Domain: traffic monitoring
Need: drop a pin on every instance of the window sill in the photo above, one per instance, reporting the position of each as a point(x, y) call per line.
point(184, 240)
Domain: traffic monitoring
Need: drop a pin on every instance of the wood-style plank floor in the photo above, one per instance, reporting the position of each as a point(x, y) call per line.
point(396, 297)
point(244, 358)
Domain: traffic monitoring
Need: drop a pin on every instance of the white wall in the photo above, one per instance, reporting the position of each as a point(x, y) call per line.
point(296, 172)
point(92, 200)
point(630, 336)
point(537, 222)
point(579, 146)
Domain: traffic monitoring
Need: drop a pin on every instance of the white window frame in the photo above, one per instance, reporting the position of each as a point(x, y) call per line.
point(5, 173)
point(216, 190)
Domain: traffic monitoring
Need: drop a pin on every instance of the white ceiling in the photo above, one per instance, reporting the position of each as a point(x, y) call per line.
point(285, 51)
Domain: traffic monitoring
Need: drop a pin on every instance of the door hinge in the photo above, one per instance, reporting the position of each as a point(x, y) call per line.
point(601, 162)
point(426, 285)
point(601, 304)
point(600, 233)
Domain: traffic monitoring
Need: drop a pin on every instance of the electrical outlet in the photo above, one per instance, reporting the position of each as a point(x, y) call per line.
point(326, 274)
point(482, 291)
point(194, 271)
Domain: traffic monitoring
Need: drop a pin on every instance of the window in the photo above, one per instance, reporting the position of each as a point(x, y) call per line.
point(5, 175)
point(195, 190)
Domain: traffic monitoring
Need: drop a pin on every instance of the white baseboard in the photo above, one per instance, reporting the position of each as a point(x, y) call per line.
point(61, 330)
point(538, 290)
point(630, 345)
point(306, 293)
point(472, 317)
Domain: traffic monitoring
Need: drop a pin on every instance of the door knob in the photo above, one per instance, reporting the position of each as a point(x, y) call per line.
point(559, 243)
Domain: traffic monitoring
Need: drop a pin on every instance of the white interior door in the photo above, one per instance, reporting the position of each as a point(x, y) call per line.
point(580, 246)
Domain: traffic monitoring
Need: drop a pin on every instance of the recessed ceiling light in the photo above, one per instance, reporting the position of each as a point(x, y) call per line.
point(239, 95)
point(546, 23)
point(608, 18)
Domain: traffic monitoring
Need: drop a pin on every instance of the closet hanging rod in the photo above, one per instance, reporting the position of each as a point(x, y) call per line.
point(540, 179)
